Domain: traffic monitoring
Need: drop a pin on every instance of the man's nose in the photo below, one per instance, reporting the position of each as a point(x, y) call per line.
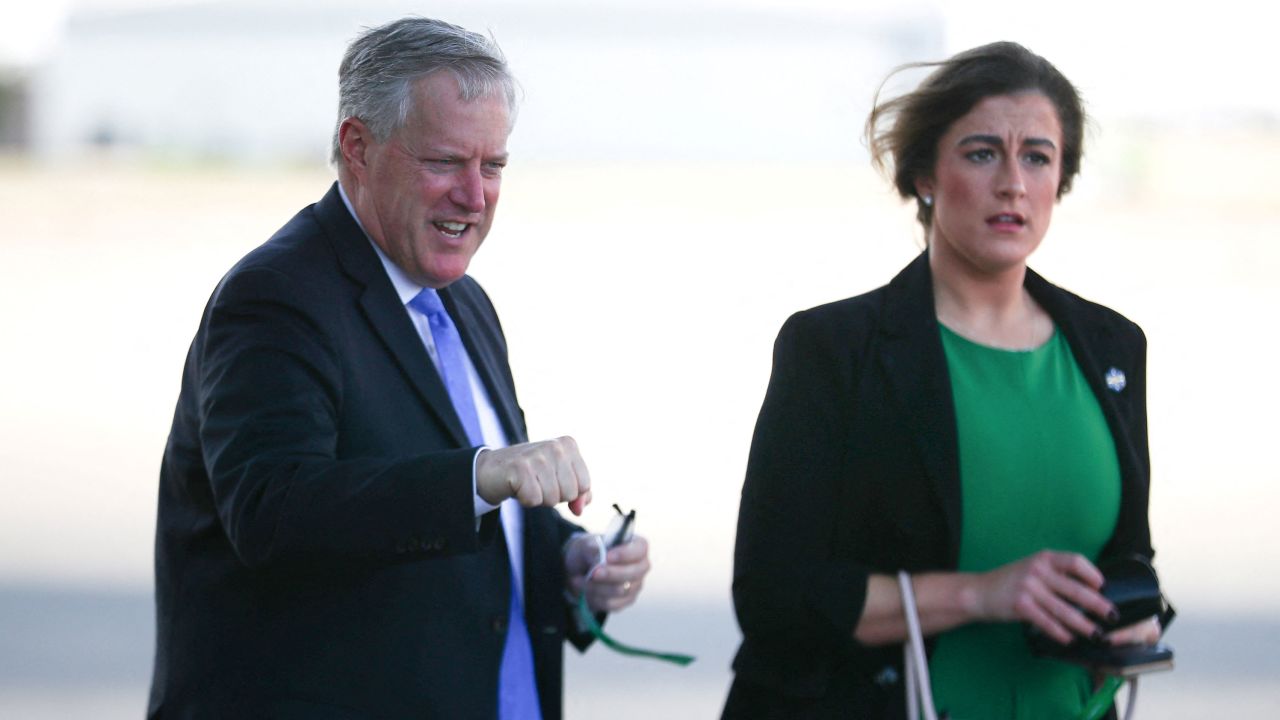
point(468, 190)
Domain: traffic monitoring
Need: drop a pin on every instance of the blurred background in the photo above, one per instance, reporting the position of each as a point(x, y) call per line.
point(684, 176)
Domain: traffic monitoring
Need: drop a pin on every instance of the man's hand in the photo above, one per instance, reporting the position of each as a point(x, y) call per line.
point(614, 585)
point(537, 474)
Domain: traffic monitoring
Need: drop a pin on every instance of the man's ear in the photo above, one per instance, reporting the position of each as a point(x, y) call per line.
point(354, 140)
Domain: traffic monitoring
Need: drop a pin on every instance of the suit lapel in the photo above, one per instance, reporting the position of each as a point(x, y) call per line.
point(912, 361)
point(382, 308)
point(479, 334)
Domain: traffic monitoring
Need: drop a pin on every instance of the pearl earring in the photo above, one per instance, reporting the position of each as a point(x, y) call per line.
point(928, 200)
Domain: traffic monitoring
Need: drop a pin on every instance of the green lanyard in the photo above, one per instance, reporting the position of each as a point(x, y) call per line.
point(1102, 700)
point(624, 527)
point(584, 613)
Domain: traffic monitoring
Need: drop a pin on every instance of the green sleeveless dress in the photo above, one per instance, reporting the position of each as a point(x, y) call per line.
point(1038, 471)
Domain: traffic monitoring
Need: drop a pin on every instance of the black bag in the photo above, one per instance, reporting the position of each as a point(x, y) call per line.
point(1132, 586)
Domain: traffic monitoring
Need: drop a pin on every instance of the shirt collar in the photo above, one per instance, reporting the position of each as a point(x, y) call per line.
point(407, 289)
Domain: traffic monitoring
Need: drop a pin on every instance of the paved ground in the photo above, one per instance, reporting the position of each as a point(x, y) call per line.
point(82, 654)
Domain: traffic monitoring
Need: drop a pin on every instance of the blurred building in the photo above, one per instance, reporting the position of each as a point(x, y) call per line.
point(13, 110)
point(250, 81)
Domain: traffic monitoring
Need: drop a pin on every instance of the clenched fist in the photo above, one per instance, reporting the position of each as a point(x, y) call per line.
point(537, 474)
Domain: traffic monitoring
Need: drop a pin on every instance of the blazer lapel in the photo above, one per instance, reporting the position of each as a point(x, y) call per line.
point(1089, 342)
point(912, 360)
point(385, 313)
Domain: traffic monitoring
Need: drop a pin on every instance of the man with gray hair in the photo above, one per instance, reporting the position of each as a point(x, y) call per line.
point(352, 521)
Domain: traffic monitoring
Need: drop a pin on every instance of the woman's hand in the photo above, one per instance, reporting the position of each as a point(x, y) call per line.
point(1144, 632)
point(1051, 590)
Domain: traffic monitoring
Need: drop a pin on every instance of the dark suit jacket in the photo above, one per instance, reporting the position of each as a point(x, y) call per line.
point(316, 547)
point(854, 469)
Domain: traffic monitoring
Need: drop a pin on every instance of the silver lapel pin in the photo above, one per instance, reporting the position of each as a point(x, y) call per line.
point(1115, 379)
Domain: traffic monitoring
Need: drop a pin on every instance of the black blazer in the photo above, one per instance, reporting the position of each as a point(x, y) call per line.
point(316, 546)
point(854, 469)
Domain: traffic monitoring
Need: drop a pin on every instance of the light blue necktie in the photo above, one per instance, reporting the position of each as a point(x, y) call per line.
point(517, 690)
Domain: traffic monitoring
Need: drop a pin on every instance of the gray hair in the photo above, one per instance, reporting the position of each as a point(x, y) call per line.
point(375, 80)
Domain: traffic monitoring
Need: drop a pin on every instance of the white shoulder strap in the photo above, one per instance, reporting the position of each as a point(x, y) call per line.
point(915, 664)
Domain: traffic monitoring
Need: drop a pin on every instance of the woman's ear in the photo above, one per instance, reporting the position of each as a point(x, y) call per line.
point(924, 189)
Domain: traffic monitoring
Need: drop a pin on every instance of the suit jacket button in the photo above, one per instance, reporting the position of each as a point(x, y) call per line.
point(887, 676)
point(550, 629)
point(500, 624)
